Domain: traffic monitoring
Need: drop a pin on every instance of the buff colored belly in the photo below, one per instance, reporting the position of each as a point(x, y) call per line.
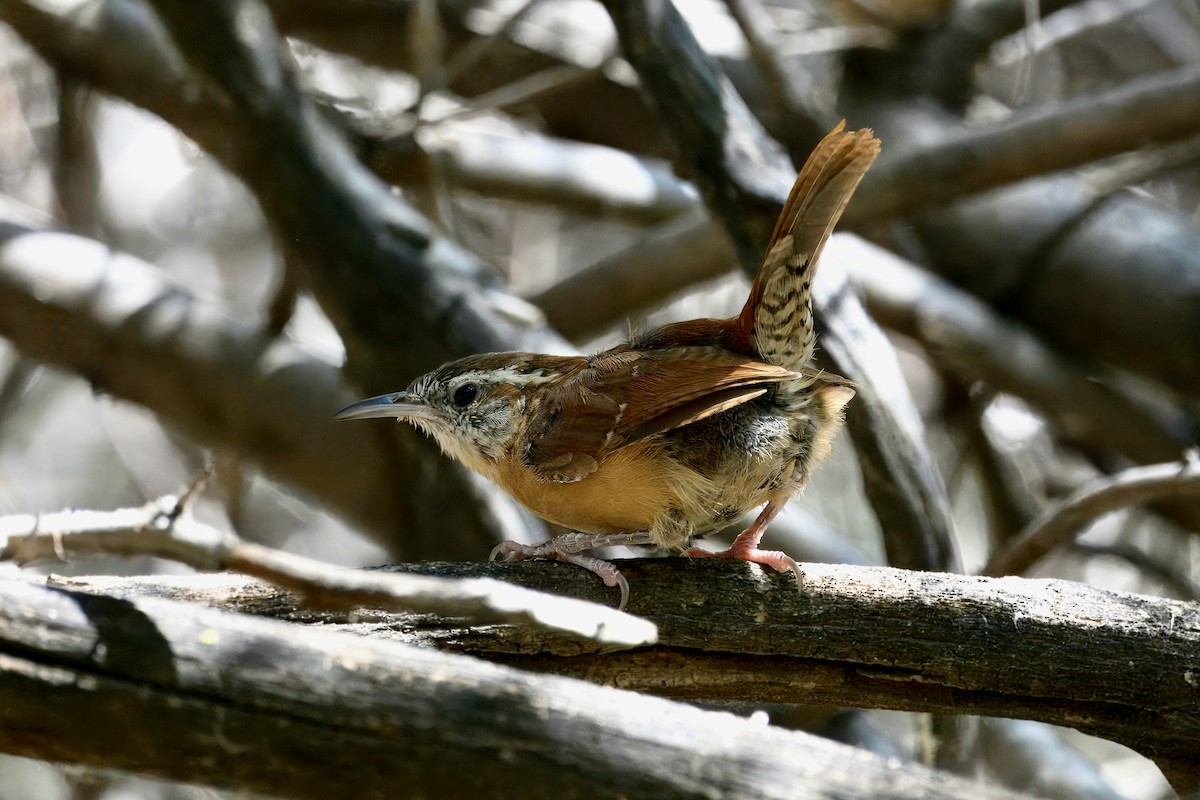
point(626, 493)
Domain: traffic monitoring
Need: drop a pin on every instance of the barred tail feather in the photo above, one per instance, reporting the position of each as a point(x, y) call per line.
point(777, 318)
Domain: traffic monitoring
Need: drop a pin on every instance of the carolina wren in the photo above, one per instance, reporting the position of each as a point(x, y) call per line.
point(674, 433)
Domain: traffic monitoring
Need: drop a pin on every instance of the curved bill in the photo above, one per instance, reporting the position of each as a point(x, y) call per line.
point(396, 404)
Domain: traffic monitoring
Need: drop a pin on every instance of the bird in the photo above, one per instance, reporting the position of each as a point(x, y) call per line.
point(675, 433)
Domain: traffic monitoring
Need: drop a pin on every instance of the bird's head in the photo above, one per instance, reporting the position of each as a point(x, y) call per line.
point(471, 407)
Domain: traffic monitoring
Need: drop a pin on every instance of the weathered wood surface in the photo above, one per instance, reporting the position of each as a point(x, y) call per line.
point(1122, 666)
point(175, 690)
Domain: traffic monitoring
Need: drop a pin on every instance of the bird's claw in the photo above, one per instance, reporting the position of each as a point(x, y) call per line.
point(557, 550)
point(775, 559)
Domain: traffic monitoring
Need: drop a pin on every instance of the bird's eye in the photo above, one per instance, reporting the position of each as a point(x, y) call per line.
point(466, 394)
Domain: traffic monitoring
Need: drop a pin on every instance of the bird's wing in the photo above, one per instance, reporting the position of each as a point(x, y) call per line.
point(623, 397)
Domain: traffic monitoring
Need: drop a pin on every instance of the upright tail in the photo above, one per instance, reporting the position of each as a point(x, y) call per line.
point(777, 318)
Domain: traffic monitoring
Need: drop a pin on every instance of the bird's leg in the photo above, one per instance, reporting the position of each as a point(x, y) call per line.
point(745, 546)
point(570, 548)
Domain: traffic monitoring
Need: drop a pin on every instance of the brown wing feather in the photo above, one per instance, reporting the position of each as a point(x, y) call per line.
point(625, 396)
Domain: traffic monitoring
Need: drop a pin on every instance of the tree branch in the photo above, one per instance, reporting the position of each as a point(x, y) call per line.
point(111, 318)
point(1161, 108)
point(1062, 523)
point(971, 338)
point(187, 693)
point(661, 262)
point(945, 61)
point(570, 176)
point(163, 529)
point(1056, 254)
point(1091, 255)
point(372, 263)
point(377, 269)
point(1115, 665)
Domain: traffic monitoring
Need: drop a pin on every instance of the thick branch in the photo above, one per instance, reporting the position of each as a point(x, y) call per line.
point(573, 177)
point(126, 53)
point(380, 274)
point(660, 263)
point(1115, 665)
point(376, 267)
point(1060, 258)
point(976, 342)
point(166, 689)
point(1162, 108)
point(1008, 231)
point(944, 65)
point(74, 303)
point(368, 30)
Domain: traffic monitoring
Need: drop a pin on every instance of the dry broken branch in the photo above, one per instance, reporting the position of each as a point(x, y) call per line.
point(168, 689)
point(164, 530)
point(1115, 665)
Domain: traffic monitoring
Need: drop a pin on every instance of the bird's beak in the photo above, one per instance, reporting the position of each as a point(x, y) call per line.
point(396, 404)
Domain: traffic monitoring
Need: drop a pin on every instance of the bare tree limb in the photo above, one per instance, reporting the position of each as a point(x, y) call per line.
point(1115, 665)
point(123, 51)
point(1034, 758)
point(571, 176)
point(1026, 218)
point(369, 31)
point(976, 342)
point(1173, 575)
point(374, 264)
point(1063, 522)
point(187, 693)
point(946, 59)
point(660, 263)
point(73, 302)
point(1056, 254)
point(160, 529)
point(796, 92)
point(379, 273)
point(1161, 108)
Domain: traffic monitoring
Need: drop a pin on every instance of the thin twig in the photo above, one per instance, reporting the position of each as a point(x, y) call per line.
point(153, 531)
point(1061, 524)
point(520, 91)
point(198, 484)
point(474, 51)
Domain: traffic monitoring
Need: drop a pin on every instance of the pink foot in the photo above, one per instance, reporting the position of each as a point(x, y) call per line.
point(745, 546)
point(569, 548)
point(775, 559)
